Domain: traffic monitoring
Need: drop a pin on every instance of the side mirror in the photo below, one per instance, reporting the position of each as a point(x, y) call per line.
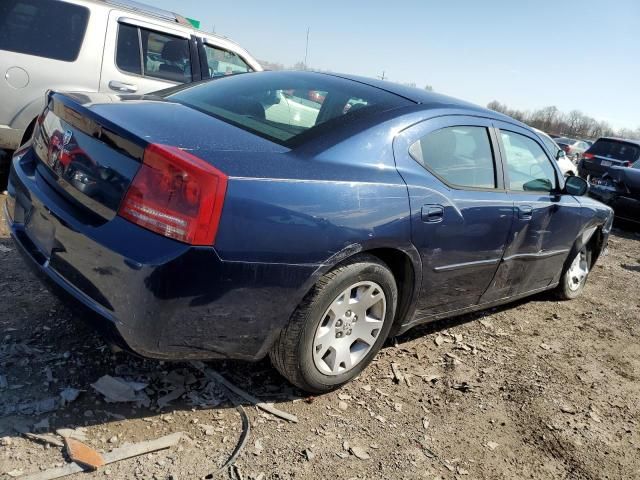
point(575, 186)
point(560, 154)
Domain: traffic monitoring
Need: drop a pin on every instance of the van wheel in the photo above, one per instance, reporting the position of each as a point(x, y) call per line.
point(339, 327)
point(574, 276)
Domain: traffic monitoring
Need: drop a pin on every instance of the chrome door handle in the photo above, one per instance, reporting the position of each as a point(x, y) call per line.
point(432, 213)
point(525, 212)
point(123, 87)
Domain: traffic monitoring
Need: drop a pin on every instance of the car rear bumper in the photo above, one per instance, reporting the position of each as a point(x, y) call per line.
point(151, 295)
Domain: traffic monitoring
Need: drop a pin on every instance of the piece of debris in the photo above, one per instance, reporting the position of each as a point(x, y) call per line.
point(118, 454)
point(4, 249)
point(76, 433)
point(344, 396)
point(397, 376)
point(216, 377)
point(454, 359)
point(246, 430)
point(544, 346)
point(69, 395)
point(439, 340)
point(309, 455)
point(594, 416)
point(83, 454)
point(359, 452)
point(6, 442)
point(425, 423)
point(170, 397)
point(113, 439)
point(343, 406)
point(568, 409)
point(457, 338)
point(15, 473)
point(486, 324)
point(42, 425)
point(3, 382)
point(115, 389)
point(45, 439)
point(462, 471)
point(492, 445)
point(464, 387)
point(367, 388)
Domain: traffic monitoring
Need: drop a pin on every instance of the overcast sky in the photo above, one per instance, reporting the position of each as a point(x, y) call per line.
point(573, 54)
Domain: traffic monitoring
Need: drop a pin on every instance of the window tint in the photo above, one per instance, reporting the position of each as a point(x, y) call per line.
point(550, 144)
point(45, 28)
point(528, 166)
point(626, 152)
point(286, 107)
point(461, 156)
point(165, 56)
point(222, 62)
point(128, 49)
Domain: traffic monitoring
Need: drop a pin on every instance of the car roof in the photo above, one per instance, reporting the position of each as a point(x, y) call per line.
point(424, 97)
point(617, 139)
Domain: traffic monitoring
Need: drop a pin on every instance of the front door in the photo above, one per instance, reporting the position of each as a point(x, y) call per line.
point(461, 214)
point(546, 222)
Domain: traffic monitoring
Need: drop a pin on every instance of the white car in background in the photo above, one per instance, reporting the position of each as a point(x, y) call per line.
point(566, 165)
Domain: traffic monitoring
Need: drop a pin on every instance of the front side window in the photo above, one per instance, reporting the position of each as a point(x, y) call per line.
point(528, 166)
point(223, 62)
point(153, 54)
point(44, 28)
point(461, 156)
point(286, 107)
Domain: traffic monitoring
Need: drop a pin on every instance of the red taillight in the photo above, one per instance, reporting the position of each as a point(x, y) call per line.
point(626, 164)
point(176, 194)
point(588, 156)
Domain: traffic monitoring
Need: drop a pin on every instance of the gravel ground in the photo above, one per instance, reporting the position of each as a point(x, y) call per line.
point(538, 389)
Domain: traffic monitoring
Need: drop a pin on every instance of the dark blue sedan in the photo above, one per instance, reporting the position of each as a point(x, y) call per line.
point(299, 215)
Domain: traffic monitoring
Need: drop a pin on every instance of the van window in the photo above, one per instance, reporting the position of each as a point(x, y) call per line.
point(461, 156)
point(153, 54)
point(223, 62)
point(44, 28)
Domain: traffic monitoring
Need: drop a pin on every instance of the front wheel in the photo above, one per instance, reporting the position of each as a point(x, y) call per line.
point(574, 276)
point(339, 327)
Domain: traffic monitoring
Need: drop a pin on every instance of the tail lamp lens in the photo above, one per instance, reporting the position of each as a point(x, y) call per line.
point(588, 156)
point(176, 194)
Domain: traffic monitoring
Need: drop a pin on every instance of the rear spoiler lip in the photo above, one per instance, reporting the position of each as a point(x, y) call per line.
point(70, 110)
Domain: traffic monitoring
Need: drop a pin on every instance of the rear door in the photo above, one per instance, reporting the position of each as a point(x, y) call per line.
point(142, 56)
point(546, 222)
point(460, 213)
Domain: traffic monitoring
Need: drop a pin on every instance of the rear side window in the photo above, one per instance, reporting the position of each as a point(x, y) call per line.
point(44, 28)
point(223, 62)
point(286, 107)
point(623, 151)
point(528, 166)
point(461, 156)
point(153, 54)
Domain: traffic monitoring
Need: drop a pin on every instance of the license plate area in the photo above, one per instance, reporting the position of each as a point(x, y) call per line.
point(606, 163)
point(41, 231)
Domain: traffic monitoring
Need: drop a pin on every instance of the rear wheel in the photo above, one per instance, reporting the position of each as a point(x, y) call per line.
point(574, 276)
point(339, 327)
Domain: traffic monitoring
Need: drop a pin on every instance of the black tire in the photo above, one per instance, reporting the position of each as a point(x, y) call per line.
point(292, 352)
point(564, 290)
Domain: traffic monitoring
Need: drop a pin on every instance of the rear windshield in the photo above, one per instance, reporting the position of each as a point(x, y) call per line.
point(45, 28)
point(623, 151)
point(286, 107)
point(565, 141)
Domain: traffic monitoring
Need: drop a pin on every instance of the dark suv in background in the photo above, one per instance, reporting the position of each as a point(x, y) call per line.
point(607, 153)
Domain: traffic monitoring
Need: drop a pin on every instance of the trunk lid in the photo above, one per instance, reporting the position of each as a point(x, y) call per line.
point(89, 147)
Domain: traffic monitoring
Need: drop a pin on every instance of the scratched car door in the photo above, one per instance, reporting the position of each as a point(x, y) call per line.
point(461, 214)
point(546, 222)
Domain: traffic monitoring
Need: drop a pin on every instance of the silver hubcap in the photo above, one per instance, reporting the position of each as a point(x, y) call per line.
point(578, 271)
point(349, 328)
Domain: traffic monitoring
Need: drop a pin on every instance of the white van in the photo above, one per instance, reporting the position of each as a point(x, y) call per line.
point(98, 45)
